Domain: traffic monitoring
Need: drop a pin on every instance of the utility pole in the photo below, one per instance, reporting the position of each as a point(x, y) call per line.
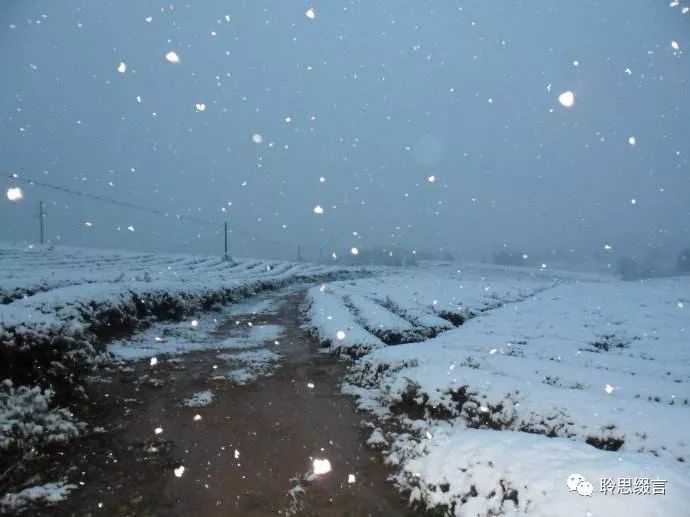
point(41, 217)
point(299, 253)
point(226, 241)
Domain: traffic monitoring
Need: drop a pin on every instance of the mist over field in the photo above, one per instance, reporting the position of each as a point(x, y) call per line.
point(550, 129)
point(197, 202)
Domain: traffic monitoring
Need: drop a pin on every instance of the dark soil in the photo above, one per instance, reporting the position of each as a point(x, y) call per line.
point(252, 445)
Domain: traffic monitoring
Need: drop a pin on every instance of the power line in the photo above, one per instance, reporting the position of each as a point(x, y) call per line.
point(132, 206)
point(116, 202)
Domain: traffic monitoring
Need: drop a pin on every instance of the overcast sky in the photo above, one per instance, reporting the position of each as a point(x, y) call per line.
point(415, 123)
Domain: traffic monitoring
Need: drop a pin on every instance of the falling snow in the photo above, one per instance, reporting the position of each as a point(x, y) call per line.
point(504, 224)
point(567, 99)
point(172, 57)
point(15, 194)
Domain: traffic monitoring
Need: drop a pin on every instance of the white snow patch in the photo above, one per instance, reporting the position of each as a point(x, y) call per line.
point(49, 493)
point(512, 473)
point(321, 466)
point(199, 399)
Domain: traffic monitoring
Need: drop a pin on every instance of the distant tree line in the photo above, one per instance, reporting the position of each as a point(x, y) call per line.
point(630, 269)
point(684, 261)
point(381, 257)
point(656, 262)
point(510, 258)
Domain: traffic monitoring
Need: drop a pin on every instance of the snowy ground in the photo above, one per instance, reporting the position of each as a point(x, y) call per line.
point(200, 332)
point(548, 375)
point(60, 303)
point(489, 387)
point(59, 306)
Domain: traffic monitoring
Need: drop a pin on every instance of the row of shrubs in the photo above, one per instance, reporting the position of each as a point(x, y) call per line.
point(626, 267)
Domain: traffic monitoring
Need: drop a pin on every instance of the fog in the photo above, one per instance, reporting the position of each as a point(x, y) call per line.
point(426, 125)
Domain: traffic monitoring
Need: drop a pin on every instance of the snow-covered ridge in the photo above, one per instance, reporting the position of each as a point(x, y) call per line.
point(572, 367)
point(35, 269)
point(62, 304)
point(401, 307)
point(83, 295)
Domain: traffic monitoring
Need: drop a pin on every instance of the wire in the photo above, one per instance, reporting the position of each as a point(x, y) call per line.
point(125, 204)
point(109, 200)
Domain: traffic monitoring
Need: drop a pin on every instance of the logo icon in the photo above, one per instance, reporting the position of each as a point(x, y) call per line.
point(578, 483)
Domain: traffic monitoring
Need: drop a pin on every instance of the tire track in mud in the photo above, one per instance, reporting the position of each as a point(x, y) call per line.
point(251, 453)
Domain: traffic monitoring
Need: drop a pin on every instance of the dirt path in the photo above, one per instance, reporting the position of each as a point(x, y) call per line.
point(252, 445)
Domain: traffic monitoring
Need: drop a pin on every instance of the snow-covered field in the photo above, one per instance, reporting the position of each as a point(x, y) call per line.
point(539, 376)
point(60, 306)
point(488, 387)
point(60, 302)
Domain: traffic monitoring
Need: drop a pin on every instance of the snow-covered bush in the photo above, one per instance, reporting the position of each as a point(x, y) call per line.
point(47, 494)
point(53, 324)
point(27, 420)
point(55, 355)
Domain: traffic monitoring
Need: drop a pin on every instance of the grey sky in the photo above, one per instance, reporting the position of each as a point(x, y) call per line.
point(380, 96)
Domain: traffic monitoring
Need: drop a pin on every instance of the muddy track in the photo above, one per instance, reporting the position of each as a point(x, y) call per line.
point(252, 446)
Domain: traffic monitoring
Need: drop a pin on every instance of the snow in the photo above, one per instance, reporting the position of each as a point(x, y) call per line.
point(172, 57)
point(567, 99)
point(569, 342)
point(404, 306)
point(48, 493)
point(77, 293)
point(163, 339)
point(27, 420)
point(321, 466)
point(490, 470)
point(199, 399)
point(59, 305)
point(262, 333)
point(499, 382)
point(169, 339)
point(539, 376)
point(328, 317)
point(248, 366)
point(15, 194)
